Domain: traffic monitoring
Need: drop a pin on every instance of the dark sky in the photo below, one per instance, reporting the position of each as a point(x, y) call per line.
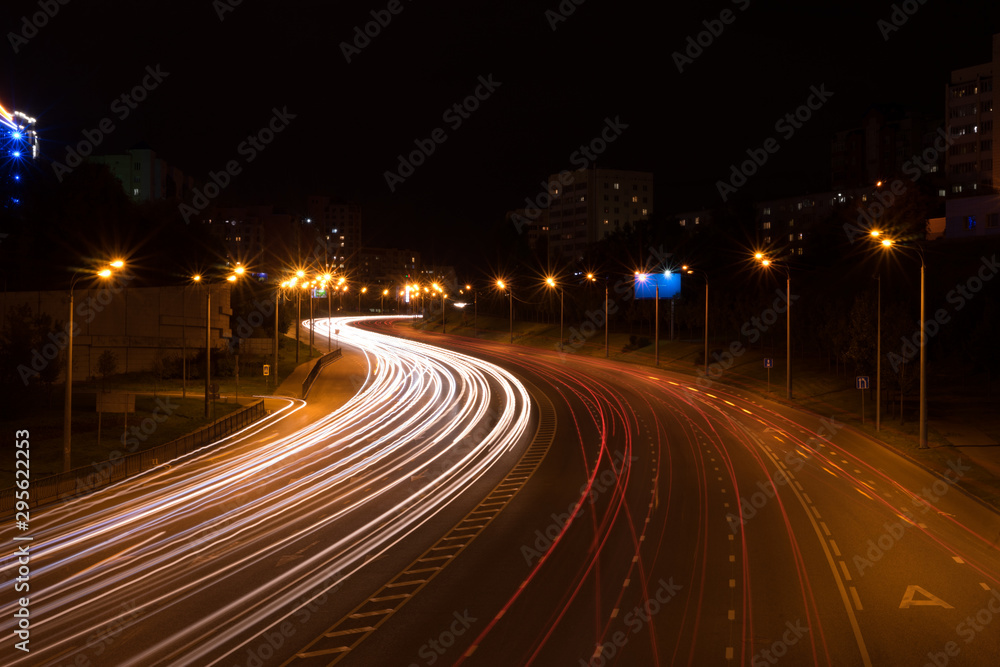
point(557, 87)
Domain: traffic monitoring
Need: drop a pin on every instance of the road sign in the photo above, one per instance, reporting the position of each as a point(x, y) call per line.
point(768, 362)
point(267, 370)
point(862, 381)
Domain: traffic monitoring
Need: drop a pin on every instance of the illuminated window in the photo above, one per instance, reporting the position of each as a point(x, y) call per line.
point(616, 186)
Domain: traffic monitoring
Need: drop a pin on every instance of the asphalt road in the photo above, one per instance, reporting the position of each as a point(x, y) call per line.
point(621, 516)
point(673, 523)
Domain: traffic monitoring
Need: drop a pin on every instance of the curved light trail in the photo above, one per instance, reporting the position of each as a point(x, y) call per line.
point(235, 541)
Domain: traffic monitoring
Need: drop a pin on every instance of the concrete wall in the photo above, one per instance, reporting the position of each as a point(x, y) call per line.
point(137, 324)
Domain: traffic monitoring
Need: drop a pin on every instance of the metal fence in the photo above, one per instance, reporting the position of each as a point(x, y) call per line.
point(321, 363)
point(80, 481)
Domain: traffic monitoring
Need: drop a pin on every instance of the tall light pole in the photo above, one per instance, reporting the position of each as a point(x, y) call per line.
point(363, 290)
point(510, 293)
point(437, 288)
point(704, 275)
point(277, 296)
point(68, 400)
point(551, 282)
point(590, 277)
point(237, 273)
point(642, 278)
point(767, 263)
point(381, 308)
point(475, 311)
point(889, 244)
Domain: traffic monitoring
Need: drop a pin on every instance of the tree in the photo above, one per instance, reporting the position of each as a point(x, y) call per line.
point(107, 364)
point(861, 330)
point(31, 352)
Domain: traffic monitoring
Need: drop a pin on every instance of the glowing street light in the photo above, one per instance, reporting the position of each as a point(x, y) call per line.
point(766, 263)
point(510, 293)
point(687, 269)
point(68, 401)
point(551, 282)
point(889, 244)
point(592, 278)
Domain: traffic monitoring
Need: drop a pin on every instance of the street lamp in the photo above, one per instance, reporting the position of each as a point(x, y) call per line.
point(704, 275)
point(592, 278)
point(888, 244)
point(363, 290)
point(642, 278)
point(551, 282)
point(237, 272)
point(767, 263)
point(510, 293)
point(68, 402)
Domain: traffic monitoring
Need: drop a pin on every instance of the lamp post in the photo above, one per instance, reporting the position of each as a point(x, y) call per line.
point(363, 290)
point(299, 275)
point(704, 275)
point(312, 331)
point(767, 263)
point(237, 272)
point(551, 282)
point(510, 294)
point(437, 288)
point(68, 401)
point(889, 244)
point(642, 277)
point(592, 278)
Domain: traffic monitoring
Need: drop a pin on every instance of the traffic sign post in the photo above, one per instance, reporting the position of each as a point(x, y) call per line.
point(862, 383)
point(768, 364)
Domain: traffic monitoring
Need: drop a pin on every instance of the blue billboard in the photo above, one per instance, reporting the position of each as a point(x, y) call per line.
point(646, 285)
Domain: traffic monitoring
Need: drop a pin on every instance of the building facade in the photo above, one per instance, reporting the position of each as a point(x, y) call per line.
point(973, 160)
point(144, 176)
point(139, 325)
point(337, 227)
point(588, 205)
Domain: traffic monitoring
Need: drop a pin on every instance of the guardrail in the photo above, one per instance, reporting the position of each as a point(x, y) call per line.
point(80, 481)
point(321, 363)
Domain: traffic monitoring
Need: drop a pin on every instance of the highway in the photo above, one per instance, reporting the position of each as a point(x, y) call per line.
point(192, 562)
point(478, 503)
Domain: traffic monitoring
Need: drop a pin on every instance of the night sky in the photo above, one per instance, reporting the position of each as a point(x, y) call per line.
point(556, 90)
